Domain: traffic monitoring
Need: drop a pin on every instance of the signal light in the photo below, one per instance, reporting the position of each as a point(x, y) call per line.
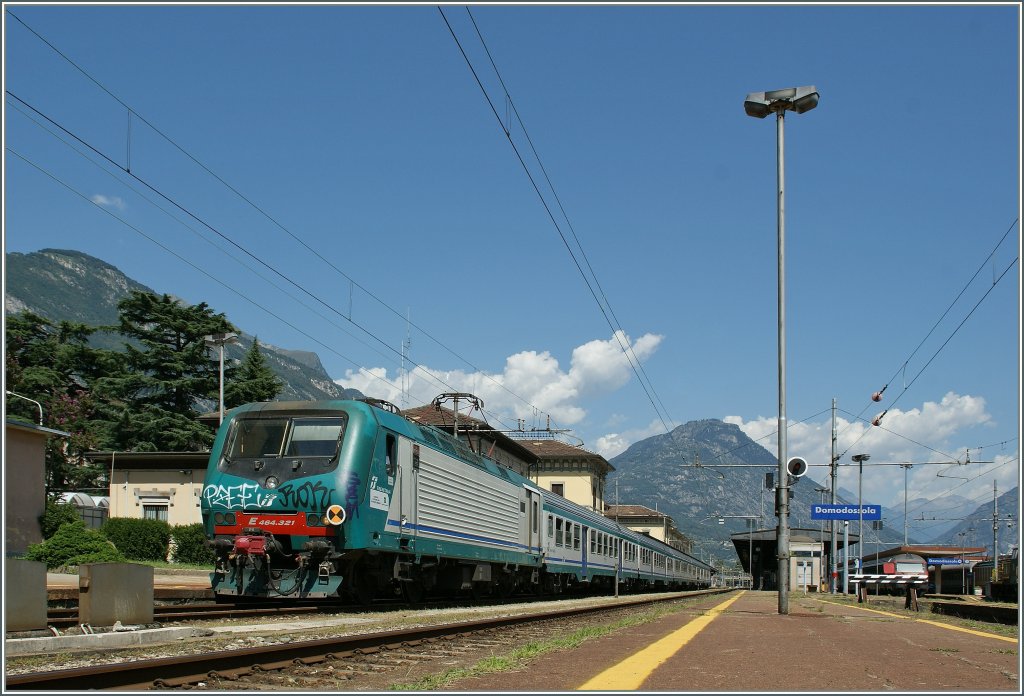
point(796, 466)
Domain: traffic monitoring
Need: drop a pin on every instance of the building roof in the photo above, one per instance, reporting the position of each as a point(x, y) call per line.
point(32, 427)
point(151, 460)
point(444, 419)
point(551, 450)
point(631, 511)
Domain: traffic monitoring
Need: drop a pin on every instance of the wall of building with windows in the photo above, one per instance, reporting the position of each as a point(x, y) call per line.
point(155, 485)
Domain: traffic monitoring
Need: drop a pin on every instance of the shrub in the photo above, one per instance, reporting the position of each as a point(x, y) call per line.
point(139, 540)
point(190, 544)
point(72, 545)
point(56, 515)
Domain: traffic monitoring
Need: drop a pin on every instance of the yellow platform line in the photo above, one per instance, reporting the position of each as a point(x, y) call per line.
point(629, 674)
point(948, 627)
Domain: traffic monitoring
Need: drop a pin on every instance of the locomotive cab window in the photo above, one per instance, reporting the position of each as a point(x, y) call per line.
point(390, 448)
point(253, 438)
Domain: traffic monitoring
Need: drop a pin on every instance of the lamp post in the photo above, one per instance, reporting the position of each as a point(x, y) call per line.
point(906, 467)
point(860, 459)
point(759, 105)
point(219, 339)
point(963, 562)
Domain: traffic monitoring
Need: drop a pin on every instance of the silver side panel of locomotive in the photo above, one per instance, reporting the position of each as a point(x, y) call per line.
point(442, 498)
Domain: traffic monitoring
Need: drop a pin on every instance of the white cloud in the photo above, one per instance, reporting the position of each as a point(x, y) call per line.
point(614, 444)
point(108, 201)
point(596, 368)
point(910, 436)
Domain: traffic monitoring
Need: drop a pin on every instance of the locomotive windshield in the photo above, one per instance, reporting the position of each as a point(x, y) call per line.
point(286, 437)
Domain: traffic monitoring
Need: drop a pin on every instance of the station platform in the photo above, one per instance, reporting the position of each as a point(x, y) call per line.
point(738, 642)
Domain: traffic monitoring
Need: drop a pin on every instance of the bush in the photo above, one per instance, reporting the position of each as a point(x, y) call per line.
point(139, 540)
point(56, 515)
point(190, 544)
point(72, 545)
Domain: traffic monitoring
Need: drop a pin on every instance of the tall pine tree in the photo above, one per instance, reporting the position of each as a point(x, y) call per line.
point(253, 380)
point(167, 376)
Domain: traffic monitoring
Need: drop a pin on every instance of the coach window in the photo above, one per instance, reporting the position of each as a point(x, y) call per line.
point(576, 537)
point(593, 541)
point(536, 515)
point(551, 527)
point(558, 531)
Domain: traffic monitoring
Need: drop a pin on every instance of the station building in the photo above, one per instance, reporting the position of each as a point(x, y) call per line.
point(155, 485)
point(654, 524)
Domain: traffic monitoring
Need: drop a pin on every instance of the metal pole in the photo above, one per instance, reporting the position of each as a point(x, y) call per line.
point(833, 579)
point(995, 534)
point(906, 469)
point(860, 506)
point(783, 487)
point(846, 557)
point(222, 381)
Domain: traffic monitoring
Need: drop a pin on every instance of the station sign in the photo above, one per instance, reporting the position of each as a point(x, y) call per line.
point(843, 511)
point(946, 561)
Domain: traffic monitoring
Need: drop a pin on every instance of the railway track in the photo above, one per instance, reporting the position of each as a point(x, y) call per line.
point(63, 618)
point(207, 611)
point(230, 666)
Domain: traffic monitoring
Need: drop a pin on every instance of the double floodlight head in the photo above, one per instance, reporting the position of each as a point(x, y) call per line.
point(798, 99)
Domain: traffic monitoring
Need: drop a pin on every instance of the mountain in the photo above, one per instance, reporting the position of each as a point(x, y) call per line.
point(708, 470)
point(61, 284)
point(976, 528)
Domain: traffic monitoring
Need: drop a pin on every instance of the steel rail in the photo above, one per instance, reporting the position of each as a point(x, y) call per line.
point(178, 670)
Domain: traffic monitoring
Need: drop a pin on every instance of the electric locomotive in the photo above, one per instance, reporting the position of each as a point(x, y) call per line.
point(349, 498)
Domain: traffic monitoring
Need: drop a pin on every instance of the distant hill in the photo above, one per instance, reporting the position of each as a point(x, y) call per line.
point(977, 526)
point(662, 472)
point(61, 284)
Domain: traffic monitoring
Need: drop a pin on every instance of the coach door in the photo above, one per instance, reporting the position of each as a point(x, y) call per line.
point(585, 549)
point(402, 511)
point(534, 540)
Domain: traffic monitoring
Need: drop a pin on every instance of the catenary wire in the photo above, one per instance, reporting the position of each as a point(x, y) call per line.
point(194, 159)
point(627, 348)
point(544, 203)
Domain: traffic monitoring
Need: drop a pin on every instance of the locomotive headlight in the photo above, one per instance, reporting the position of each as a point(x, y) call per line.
point(271, 482)
point(229, 518)
point(218, 518)
point(313, 520)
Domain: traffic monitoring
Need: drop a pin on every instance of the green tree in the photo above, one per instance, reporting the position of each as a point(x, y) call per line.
point(167, 376)
point(253, 380)
point(54, 365)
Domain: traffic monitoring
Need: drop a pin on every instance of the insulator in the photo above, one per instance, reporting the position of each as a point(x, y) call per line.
point(877, 396)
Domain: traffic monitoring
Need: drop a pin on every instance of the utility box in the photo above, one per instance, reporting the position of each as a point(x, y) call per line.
point(112, 592)
point(24, 595)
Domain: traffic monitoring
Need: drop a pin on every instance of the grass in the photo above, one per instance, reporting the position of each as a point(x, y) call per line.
point(519, 657)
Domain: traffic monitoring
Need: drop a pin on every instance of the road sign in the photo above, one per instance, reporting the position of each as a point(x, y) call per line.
point(841, 511)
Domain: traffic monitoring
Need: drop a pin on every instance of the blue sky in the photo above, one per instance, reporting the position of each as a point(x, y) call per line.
point(363, 132)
